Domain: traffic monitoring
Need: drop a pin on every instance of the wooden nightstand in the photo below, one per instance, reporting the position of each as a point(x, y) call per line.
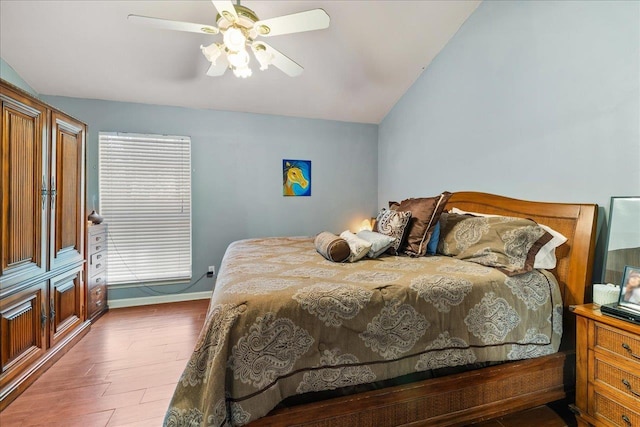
point(607, 369)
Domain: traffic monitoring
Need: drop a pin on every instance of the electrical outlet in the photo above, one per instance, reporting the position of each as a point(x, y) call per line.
point(212, 271)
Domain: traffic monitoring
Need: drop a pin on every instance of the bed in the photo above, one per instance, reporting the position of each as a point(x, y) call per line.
point(255, 351)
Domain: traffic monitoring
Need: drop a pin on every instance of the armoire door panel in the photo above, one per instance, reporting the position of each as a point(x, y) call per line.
point(67, 195)
point(22, 328)
point(65, 304)
point(23, 151)
point(67, 191)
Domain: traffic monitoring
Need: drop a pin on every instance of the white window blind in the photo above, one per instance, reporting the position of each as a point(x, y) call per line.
point(145, 198)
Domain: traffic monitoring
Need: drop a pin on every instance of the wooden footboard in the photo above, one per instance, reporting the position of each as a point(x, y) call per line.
point(486, 393)
point(458, 399)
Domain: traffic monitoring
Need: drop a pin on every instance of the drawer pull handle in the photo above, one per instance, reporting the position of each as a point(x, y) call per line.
point(626, 420)
point(98, 265)
point(98, 256)
point(99, 279)
point(626, 347)
point(98, 247)
point(100, 290)
point(627, 384)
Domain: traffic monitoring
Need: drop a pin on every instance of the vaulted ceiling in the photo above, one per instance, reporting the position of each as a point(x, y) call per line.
point(355, 70)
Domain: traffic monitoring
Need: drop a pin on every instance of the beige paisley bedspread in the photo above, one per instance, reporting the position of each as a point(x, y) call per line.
point(283, 321)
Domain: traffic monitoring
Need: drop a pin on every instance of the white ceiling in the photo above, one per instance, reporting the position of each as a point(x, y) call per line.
point(354, 71)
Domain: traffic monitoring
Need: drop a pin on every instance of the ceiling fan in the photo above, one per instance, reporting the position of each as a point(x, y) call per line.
point(240, 27)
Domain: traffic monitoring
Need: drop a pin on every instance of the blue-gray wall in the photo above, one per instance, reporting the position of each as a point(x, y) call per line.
point(7, 73)
point(237, 172)
point(531, 99)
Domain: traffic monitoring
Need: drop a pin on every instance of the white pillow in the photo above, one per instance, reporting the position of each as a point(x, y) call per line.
point(546, 256)
point(379, 242)
point(359, 247)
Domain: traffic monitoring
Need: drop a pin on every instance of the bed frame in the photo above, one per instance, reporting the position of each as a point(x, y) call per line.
point(486, 393)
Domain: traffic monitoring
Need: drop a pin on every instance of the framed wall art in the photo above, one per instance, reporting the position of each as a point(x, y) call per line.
point(296, 177)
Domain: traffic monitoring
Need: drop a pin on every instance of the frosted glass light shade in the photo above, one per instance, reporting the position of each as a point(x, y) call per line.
point(264, 58)
point(242, 72)
point(211, 52)
point(233, 39)
point(238, 59)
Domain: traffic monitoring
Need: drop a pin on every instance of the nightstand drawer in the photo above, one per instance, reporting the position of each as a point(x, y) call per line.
point(97, 241)
point(97, 262)
point(623, 379)
point(618, 342)
point(97, 299)
point(99, 279)
point(606, 409)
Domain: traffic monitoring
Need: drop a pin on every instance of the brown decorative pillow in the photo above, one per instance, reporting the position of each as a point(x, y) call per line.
point(332, 247)
point(394, 224)
point(506, 243)
point(425, 213)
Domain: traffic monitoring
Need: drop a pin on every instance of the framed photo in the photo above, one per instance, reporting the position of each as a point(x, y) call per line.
point(630, 289)
point(296, 177)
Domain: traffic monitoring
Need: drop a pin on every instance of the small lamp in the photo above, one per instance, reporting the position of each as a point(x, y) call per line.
point(366, 224)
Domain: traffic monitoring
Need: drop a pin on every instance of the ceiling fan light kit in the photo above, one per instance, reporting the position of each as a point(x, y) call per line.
point(240, 27)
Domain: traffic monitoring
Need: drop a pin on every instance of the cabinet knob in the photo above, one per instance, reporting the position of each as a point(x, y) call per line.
point(98, 265)
point(98, 238)
point(98, 247)
point(627, 384)
point(99, 279)
point(628, 348)
point(98, 256)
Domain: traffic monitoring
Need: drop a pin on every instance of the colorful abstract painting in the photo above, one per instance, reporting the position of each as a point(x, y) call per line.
point(296, 177)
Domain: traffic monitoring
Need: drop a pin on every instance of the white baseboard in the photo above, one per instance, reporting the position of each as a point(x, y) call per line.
point(158, 299)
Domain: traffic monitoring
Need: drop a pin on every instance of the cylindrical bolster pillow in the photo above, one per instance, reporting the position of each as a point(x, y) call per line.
point(332, 247)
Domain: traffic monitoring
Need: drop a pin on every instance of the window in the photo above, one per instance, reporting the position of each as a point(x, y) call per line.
point(145, 198)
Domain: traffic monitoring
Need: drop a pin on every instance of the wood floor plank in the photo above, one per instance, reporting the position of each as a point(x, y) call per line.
point(144, 412)
point(158, 392)
point(152, 422)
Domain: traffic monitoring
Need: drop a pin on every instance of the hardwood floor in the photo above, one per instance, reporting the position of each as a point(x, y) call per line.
point(124, 371)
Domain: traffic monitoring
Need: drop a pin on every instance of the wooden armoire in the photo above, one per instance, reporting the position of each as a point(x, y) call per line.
point(42, 225)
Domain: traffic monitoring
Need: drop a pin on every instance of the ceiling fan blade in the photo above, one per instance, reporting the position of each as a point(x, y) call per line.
point(226, 10)
point(167, 24)
point(280, 60)
point(219, 68)
point(316, 19)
